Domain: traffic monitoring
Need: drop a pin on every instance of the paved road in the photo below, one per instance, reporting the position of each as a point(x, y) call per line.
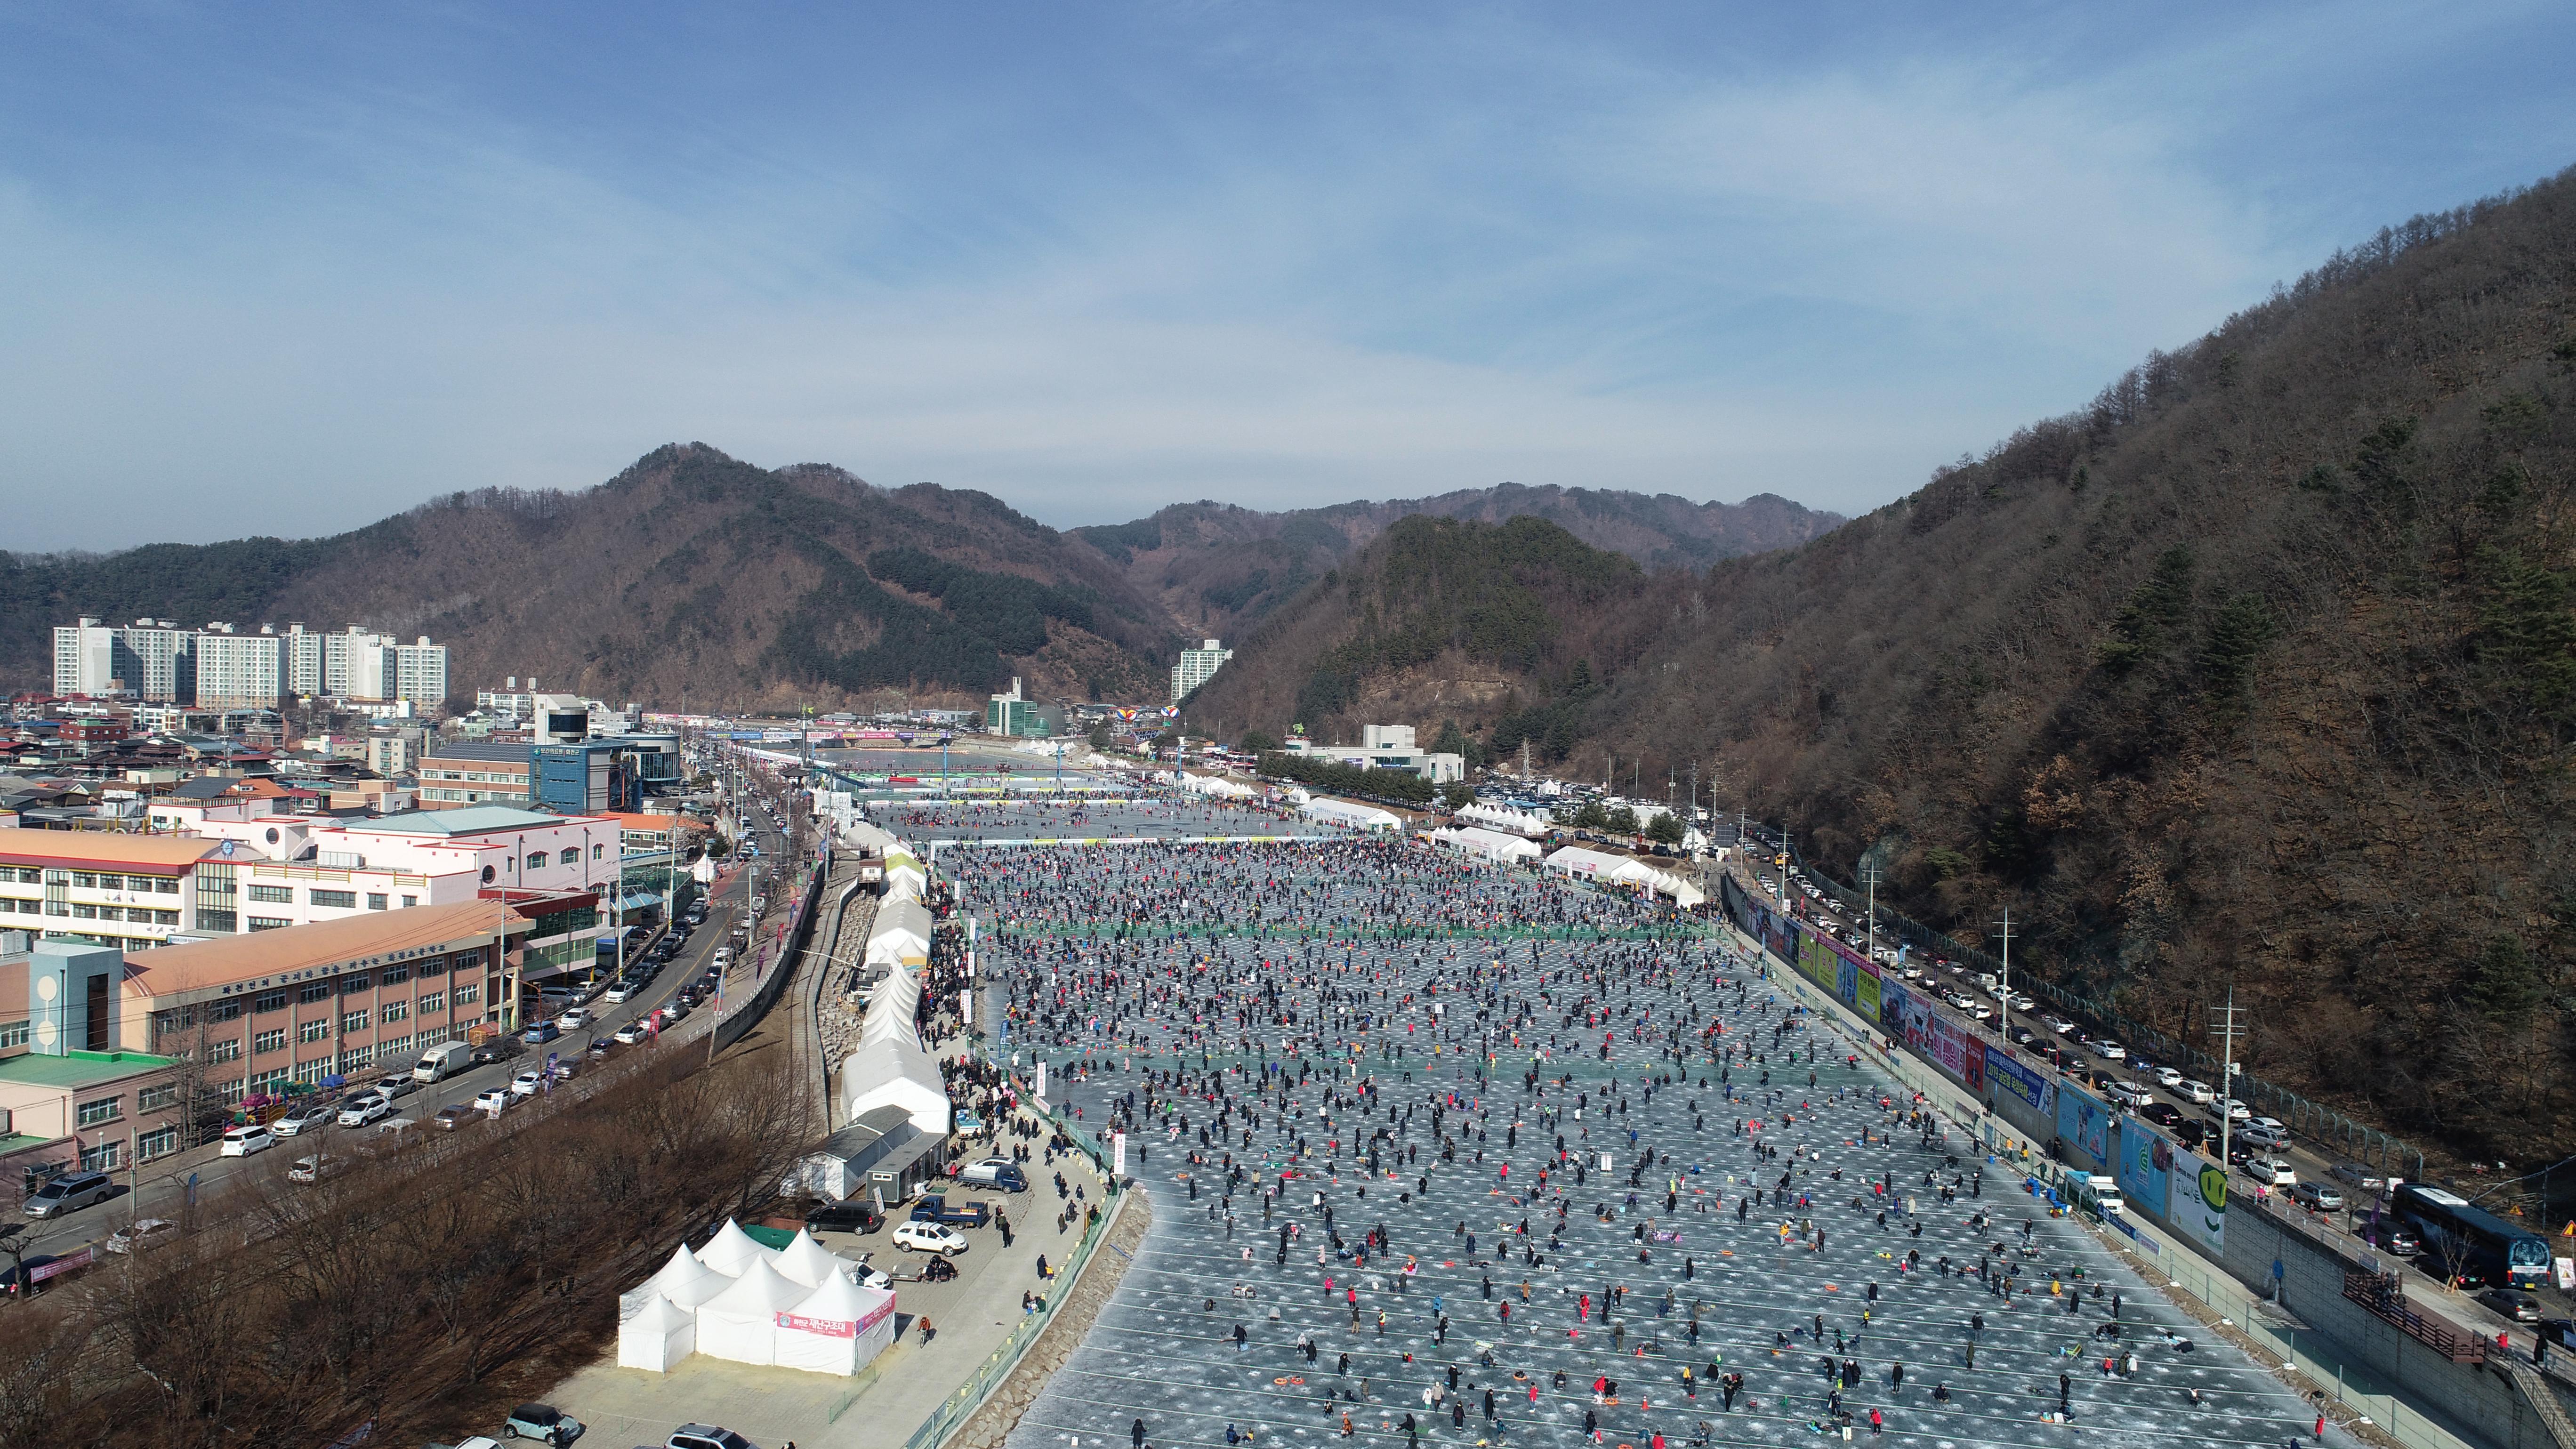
point(163, 1185)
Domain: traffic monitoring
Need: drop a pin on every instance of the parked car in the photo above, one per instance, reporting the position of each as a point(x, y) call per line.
point(527, 1084)
point(2129, 1094)
point(601, 1046)
point(929, 1238)
point(70, 1193)
point(364, 1108)
point(2168, 1077)
point(2262, 1136)
point(396, 1088)
point(2236, 1110)
point(494, 1100)
point(991, 1171)
point(869, 1275)
point(632, 1032)
point(2199, 1094)
point(541, 1421)
point(2317, 1197)
point(575, 1019)
point(313, 1113)
point(2513, 1303)
point(849, 1215)
point(142, 1233)
point(541, 1033)
point(496, 1051)
point(2163, 1114)
point(2190, 1134)
point(453, 1115)
point(701, 1436)
point(313, 1168)
point(2356, 1175)
point(243, 1141)
point(2391, 1237)
point(2110, 1051)
point(2272, 1170)
point(619, 993)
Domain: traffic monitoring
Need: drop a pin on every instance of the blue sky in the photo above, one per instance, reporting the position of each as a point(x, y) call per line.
point(285, 269)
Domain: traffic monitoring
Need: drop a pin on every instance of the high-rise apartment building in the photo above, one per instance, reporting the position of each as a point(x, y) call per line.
point(1197, 666)
point(149, 660)
point(240, 671)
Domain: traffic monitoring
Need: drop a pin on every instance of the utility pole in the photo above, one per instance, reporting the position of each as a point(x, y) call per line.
point(2227, 1029)
point(1869, 878)
point(2006, 1000)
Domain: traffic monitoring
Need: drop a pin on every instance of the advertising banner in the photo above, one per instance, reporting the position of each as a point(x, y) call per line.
point(1972, 1063)
point(2199, 1202)
point(1871, 992)
point(2015, 1078)
point(2146, 1166)
point(2084, 1126)
point(828, 1327)
point(1893, 1002)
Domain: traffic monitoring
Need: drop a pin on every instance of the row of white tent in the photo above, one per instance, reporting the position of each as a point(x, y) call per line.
point(890, 1067)
point(799, 1307)
point(1214, 786)
point(1491, 844)
point(1600, 865)
point(1503, 817)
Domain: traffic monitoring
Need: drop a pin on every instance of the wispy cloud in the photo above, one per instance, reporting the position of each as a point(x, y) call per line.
point(1094, 264)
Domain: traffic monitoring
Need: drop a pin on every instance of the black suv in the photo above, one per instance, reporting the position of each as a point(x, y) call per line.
point(846, 1216)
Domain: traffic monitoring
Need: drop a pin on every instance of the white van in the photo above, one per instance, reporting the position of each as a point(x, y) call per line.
point(442, 1061)
point(2106, 1194)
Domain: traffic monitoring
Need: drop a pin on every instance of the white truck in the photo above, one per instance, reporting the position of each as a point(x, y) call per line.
point(442, 1061)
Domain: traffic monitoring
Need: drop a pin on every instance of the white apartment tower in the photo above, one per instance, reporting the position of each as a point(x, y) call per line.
point(240, 671)
point(1197, 666)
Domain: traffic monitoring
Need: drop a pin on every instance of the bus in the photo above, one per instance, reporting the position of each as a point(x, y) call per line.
point(2470, 1242)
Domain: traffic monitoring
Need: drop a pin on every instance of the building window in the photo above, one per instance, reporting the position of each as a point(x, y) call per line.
point(85, 880)
point(269, 1001)
point(271, 1040)
point(375, 900)
point(393, 1011)
point(397, 975)
point(335, 900)
point(106, 1109)
point(537, 860)
point(433, 1003)
point(269, 923)
point(312, 1031)
point(273, 895)
point(313, 1071)
point(216, 1011)
point(157, 1144)
point(105, 1157)
point(597, 851)
point(352, 985)
point(393, 1046)
point(356, 1057)
point(233, 1092)
point(229, 1049)
point(312, 991)
point(269, 1078)
point(226, 922)
point(410, 901)
point(83, 911)
point(14, 1034)
point(467, 994)
point(153, 1099)
point(353, 1021)
point(167, 885)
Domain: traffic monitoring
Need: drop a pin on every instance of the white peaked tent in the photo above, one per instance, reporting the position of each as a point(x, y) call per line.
point(661, 1335)
point(900, 934)
point(741, 1323)
point(731, 1251)
point(685, 1281)
point(1491, 844)
point(1519, 822)
point(808, 1262)
point(835, 1329)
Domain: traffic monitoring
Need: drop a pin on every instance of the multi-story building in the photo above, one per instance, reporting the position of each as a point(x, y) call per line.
point(1197, 667)
point(239, 671)
point(358, 664)
point(129, 892)
point(472, 772)
point(1386, 747)
point(1010, 714)
point(150, 659)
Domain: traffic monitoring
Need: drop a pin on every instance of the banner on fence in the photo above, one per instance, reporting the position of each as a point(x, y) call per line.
point(2199, 1203)
point(2146, 1167)
point(2016, 1078)
point(2084, 1127)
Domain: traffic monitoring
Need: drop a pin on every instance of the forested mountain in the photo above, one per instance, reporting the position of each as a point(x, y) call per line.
point(690, 576)
point(696, 577)
point(1218, 568)
point(1457, 625)
point(2261, 669)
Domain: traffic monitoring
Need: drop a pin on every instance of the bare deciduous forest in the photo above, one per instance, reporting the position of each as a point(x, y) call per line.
point(2261, 669)
point(423, 1291)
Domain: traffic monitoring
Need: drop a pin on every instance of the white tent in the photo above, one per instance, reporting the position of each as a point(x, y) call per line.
point(835, 1329)
point(1590, 864)
point(1684, 892)
point(904, 877)
point(686, 1281)
point(1216, 785)
point(900, 934)
point(1349, 816)
point(895, 1074)
point(741, 1323)
point(1491, 844)
point(660, 1335)
point(868, 839)
point(731, 1250)
point(808, 1262)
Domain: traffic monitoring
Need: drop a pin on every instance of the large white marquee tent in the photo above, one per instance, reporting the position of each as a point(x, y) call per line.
point(798, 1307)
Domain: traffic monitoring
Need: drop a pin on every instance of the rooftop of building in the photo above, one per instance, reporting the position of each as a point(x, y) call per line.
point(480, 751)
point(78, 1069)
point(277, 955)
point(77, 848)
point(469, 820)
